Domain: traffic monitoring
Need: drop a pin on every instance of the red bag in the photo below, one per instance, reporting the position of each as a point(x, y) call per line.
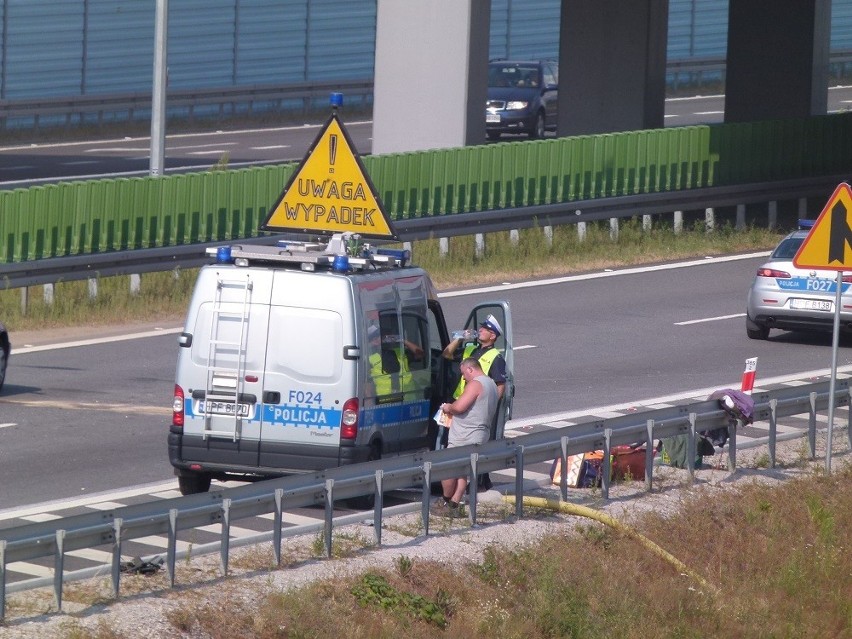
point(628, 463)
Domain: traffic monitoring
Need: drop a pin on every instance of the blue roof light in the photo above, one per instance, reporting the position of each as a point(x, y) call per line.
point(336, 99)
point(806, 224)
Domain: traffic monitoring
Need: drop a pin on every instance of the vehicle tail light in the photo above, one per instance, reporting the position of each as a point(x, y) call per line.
point(771, 272)
point(847, 279)
point(349, 422)
point(177, 407)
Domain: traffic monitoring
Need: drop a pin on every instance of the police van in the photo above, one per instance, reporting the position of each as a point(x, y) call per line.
point(299, 357)
point(308, 355)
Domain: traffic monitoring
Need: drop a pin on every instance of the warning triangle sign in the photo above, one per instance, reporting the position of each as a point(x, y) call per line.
point(828, 245)
point(330, 192)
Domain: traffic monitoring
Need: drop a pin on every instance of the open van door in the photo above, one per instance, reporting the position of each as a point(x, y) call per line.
point(500, 310)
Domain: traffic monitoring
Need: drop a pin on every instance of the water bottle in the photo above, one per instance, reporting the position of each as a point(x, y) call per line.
point(466, 336)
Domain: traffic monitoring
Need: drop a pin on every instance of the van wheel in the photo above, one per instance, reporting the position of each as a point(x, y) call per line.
point(537, 132)
point(367, 502)
point(194, 483)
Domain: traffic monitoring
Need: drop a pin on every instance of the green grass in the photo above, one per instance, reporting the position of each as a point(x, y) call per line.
point(164, 296)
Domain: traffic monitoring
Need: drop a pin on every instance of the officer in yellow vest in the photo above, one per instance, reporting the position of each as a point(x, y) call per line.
point(388, 366)
point(490, 359)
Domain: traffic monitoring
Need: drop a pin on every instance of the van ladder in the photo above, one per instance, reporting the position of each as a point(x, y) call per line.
point(225, 381)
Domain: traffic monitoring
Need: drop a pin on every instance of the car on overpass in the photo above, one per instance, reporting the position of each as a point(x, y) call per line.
point(785, 297)
point(522, 97)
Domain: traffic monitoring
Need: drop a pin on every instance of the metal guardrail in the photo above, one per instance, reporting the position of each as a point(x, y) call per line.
point(113, 528)
point(188, 100)
point(50, 270)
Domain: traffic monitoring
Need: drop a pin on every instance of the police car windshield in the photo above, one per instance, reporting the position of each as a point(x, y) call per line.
point(787, 249)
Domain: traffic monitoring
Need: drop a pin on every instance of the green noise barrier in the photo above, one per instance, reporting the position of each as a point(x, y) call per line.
point(73, 218)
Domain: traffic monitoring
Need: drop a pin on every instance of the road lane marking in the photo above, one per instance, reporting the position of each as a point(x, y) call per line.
point(608, 273)
point(8, 424)
point(93, 406)
point(96, 340)
point(710, 319)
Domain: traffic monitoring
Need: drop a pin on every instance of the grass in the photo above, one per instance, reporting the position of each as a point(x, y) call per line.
point(164, 296)
point(776, 557)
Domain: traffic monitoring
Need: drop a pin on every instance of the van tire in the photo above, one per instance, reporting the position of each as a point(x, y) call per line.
point(367, 502)
point(192, 484)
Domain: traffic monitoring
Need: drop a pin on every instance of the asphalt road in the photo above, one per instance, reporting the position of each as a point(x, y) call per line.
point(90, 418)
point(28, 164)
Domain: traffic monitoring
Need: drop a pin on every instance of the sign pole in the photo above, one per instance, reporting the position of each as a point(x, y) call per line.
point(834, 344)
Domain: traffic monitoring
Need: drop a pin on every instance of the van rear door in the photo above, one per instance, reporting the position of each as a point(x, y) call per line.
point(501, 311)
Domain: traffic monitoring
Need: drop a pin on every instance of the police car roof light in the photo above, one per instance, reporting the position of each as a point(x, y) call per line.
point(403, 255)
point(806, 224)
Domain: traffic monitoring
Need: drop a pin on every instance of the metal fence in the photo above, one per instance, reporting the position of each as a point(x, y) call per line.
point(56, 538)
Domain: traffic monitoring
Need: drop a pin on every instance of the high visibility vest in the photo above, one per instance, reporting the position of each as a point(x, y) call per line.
point(383, 381)
point(485, 361)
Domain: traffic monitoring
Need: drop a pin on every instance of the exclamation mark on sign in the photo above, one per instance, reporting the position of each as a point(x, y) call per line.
point(332, 151)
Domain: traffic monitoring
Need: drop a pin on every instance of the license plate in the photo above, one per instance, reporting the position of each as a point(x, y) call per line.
point(492, 118)
point(224, 408)
point(812, 305)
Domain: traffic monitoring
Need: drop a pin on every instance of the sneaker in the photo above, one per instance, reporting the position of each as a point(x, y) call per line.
point(440, 508)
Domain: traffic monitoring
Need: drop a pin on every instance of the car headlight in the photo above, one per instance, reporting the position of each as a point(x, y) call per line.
point(516, 105)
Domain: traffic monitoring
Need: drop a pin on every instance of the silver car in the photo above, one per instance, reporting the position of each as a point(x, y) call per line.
point(789, 298)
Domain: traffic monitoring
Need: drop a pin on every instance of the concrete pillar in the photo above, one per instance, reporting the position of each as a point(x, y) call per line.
point(479, 245)
point(612, 65)
point(548, 236)
point(431, 74)
point(777, 59)
point(443, 246)
point(677, 223)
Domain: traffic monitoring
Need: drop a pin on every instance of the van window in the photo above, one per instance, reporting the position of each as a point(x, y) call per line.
point(416, 342)
point(305, 343)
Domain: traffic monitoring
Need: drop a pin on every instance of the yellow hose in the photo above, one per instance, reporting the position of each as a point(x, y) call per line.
point(583, 511)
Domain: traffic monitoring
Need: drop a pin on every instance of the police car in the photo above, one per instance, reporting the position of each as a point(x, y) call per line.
point(785, 297)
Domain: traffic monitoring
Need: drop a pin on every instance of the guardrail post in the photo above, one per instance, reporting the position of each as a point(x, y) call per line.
point(647, 223)
point(677, 222)
point(24, 299)
point(613, 229)
point(135, 283)
point(277, 522)
point(2, 579)
point(649, 455)
point(849, 416)
point(606, 470)
point(548, 236)
point(172, 547)
point(378, 504)
point(514, 237)
point(443, 246)
point(473, 488)
point(772, 214)
point(773, 430)
point(732, 447)
point(581, 229)
point(59, 568)
point(47, 294)
point(741, 220)
point(691, 447)
point(116, 555)
point(709, 220)
point(563, 471)
point(812, 426)
point(93, 288)
point(225, 542)
point(479, 245)
point(329, 516)
point(427, 496)
point(519, 481)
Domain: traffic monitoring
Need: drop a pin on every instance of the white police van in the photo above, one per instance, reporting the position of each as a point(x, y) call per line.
point(297, 358)
point(311, 355)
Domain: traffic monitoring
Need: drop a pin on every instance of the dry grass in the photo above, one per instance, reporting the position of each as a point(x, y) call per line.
point(778, 556)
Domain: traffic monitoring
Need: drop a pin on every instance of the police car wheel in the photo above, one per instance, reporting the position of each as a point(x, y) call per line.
point(194, 483)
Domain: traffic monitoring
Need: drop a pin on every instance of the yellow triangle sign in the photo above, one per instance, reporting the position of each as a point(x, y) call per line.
point(330, 192)
point(828, 245)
